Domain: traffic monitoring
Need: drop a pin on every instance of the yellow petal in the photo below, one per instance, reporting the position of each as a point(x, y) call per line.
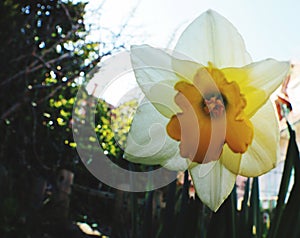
point(213, 183)
point(239, 130)
point(239, 134)
point(231, 160)
point(257, 81)
point(211, 37)
point(263, 153)
point(174, 129)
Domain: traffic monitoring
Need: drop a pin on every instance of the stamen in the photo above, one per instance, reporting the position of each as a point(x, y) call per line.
point(214, 106)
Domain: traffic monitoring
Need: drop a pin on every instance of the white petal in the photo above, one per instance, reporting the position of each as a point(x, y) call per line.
point(152, 63)
point(155, 76)
point(263, 153)
point(211, 37)
point(176, 163)
point(148, 142)
point(213, 183)
point(162, 96)
point(186, 69)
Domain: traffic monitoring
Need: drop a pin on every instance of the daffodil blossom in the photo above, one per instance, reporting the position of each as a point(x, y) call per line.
point(208, 108)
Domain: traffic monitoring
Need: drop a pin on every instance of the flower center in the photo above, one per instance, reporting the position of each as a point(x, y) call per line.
point(214, 105)
point(212, 115)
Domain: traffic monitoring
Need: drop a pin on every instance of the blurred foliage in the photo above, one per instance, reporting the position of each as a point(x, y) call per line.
point(43, 53)
point(121, 119)
point(45, 57)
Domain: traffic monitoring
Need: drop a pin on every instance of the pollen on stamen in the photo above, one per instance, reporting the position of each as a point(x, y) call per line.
point(214, 106)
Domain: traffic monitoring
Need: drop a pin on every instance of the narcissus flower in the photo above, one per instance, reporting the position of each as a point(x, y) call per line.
point(208, 108)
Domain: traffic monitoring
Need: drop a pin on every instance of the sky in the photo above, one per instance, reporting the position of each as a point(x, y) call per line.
point(270, 28)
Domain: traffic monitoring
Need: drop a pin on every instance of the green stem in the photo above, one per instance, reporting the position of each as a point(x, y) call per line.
point(183, 207)
point(255, 209)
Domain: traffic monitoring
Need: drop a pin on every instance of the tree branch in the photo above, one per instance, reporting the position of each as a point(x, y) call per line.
point(31, 70)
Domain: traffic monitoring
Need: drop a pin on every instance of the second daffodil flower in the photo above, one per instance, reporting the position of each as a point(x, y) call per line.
point(208, 108)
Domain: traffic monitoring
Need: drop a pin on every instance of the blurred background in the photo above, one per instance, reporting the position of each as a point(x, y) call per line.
point(50, 48)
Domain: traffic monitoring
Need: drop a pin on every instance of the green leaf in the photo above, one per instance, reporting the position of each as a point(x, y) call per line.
point(292, 154)
point(168, 228)
point(223, 222)
point(244, 218)
point(286, 222)
point(182, 216)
